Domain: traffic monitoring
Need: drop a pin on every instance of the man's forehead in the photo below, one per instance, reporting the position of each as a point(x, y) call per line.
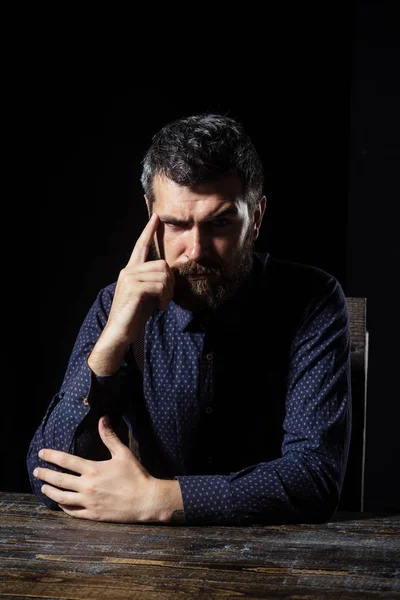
point(213, 197)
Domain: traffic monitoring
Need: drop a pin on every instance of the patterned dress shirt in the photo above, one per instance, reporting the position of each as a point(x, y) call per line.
point(248, 407)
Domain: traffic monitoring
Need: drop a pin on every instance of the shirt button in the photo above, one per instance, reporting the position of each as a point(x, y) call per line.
point(209, 356)
point(85, 401)
point(209, 410)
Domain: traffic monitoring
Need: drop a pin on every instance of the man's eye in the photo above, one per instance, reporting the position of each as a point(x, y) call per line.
point(220, 222)
point(173, 225)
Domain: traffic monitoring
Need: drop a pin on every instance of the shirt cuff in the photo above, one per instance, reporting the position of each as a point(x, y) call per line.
point(207, 499)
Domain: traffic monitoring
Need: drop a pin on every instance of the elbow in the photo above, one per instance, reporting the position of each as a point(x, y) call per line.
point(321, 508)
point(319, 499)
point(321, 493)
point(326, 510)
point(315, 512)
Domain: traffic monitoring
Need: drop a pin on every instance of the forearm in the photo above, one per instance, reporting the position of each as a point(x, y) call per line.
point(108, 354)
point(298, 487)
point(286, 490)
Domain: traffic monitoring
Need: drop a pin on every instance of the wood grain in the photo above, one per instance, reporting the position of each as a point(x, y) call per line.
point(46, 554)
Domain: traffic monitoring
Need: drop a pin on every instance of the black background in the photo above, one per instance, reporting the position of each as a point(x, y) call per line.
point(318, 92)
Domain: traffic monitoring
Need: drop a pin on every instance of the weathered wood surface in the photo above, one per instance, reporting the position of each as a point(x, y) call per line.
point(47, 554)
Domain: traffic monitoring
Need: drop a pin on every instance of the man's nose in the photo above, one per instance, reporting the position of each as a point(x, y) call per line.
point(198, 245)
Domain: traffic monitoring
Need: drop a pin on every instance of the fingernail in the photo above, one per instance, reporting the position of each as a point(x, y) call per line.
point(40, 453)
point(35, 472)
point(106, 421)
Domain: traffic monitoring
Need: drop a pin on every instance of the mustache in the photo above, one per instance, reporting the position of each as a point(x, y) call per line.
point(192, 267)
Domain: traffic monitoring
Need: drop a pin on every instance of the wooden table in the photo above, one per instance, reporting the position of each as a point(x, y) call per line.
point(46, 554)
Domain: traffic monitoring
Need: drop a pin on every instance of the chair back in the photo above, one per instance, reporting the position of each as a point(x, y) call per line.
point(352, 496)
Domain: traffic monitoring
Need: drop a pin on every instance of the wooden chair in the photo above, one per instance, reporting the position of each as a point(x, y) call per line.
point(352, 497)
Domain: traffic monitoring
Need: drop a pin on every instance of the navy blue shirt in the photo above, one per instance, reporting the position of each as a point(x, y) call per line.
point(248, 407)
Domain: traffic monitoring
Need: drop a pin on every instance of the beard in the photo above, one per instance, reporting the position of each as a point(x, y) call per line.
point(218, 282)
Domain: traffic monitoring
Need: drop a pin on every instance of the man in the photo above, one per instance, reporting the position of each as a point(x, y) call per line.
point(230, 368)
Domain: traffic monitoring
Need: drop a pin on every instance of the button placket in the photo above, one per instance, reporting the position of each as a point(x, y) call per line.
point(207, 366)
point(207, 401)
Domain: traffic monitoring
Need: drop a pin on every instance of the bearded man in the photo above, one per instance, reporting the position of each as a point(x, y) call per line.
point(211, 383)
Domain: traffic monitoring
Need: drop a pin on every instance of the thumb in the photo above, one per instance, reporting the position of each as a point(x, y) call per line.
point(109, 437)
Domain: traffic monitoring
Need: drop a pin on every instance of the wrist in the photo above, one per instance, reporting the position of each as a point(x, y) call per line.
point(107, 355)
point(169, 502)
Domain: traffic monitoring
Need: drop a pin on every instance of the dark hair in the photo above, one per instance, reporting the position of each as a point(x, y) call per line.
point(201, 149)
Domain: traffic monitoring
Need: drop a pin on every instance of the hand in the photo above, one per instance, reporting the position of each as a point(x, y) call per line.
point(141, 287)
point(118, 490)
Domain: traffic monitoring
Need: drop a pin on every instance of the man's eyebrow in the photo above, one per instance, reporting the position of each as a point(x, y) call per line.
point(231, 211)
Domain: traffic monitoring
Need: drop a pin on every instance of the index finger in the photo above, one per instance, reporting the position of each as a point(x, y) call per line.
point(143, 243)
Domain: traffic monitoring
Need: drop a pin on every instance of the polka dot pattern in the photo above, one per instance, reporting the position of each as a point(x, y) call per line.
point(182, 421)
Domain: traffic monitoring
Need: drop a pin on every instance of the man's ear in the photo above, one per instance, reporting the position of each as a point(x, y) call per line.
point(258, 216)
point(148, 205)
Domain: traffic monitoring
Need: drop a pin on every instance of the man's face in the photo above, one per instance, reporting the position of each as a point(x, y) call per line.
point(206, 236)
